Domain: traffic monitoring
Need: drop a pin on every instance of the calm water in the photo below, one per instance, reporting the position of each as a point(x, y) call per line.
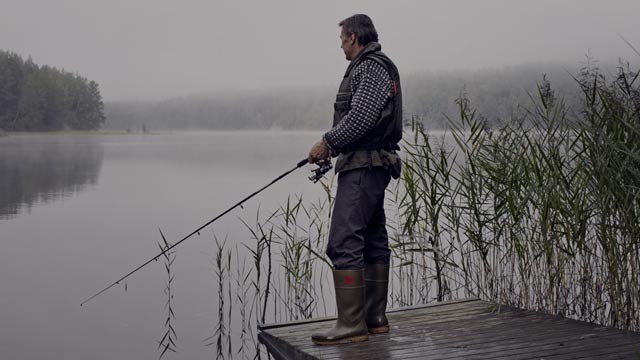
point(78, 211)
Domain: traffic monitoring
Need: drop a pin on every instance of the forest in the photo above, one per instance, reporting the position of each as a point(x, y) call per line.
point(44, 98)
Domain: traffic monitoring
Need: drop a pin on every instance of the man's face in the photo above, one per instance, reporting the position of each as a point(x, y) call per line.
point(348, 44)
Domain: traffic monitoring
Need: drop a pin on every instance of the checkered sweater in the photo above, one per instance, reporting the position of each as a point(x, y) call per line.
point(371, 87)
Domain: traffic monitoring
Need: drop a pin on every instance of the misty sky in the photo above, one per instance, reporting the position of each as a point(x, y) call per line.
point(151, 49)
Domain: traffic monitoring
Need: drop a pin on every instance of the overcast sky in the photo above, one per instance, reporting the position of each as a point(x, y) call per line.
point(151, 49)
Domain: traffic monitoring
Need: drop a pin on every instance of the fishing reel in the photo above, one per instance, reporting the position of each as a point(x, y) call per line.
point(317, 174)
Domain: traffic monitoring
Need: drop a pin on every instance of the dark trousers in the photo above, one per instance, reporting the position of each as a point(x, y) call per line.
point(358, 234)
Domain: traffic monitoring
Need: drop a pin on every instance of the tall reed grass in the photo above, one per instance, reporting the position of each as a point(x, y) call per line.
point(540, 214)
point(168, 341)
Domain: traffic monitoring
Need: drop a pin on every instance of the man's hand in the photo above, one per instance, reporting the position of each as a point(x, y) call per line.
point(319, 153)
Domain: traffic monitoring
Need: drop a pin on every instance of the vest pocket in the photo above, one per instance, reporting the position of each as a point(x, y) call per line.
point(343, 101)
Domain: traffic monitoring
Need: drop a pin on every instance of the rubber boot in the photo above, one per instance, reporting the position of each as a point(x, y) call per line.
point(350, 325)
point(377, 284)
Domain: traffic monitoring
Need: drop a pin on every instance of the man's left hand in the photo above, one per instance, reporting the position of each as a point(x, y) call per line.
point(319, 153)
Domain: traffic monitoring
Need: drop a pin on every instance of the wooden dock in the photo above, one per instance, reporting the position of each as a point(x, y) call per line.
point(463, 329)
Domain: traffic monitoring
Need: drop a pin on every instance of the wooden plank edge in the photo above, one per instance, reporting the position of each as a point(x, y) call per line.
point(329, 318)
point(281, 350)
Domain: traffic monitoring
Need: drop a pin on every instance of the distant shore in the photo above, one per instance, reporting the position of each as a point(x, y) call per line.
point(434, 132)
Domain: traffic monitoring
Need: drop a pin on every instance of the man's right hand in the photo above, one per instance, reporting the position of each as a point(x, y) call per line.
point(319, 153)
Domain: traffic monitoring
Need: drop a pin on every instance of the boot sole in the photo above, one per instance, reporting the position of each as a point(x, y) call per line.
point(352, 339)
point(379, 330)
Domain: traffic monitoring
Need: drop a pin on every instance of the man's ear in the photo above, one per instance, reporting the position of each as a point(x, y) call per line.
point(352, 38)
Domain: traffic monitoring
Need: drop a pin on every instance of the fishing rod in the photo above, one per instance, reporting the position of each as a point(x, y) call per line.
point(315, 176)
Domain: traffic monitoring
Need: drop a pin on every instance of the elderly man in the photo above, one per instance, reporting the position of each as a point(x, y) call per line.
point(367, 126)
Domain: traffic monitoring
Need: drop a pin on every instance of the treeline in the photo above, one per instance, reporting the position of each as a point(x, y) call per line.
point(43, 98)
point(497, 93)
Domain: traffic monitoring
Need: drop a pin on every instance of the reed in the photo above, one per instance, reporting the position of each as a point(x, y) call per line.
point(168, 341)
point(290, 238)
point(541, 213)
point(221, 329)
point(243, 287)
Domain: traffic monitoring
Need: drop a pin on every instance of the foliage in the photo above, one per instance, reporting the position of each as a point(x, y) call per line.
point(43, 98)
point(540, 213)
point(168, 341)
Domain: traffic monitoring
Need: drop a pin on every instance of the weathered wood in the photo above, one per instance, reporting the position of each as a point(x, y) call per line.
point(454, 350)
point(445, 329)
point(464, 329)
point(405, 320)
point(427, 308)
point(452, 312)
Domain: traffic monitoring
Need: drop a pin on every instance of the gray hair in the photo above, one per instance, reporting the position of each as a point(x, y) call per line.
point(362, 26)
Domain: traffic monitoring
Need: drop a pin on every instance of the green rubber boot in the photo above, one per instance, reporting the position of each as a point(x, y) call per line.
point(377, 284)
point(350, 325)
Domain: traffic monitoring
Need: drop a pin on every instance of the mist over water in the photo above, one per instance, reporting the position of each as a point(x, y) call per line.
point(79, 211)
point(113, 192)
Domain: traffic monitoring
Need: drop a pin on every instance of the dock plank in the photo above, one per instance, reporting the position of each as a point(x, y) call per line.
point(462, 329)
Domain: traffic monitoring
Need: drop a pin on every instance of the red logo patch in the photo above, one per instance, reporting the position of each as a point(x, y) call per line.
point(348, 280)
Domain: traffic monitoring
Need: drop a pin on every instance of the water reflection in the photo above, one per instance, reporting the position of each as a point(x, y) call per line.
point(37, 169)
point(64, 251)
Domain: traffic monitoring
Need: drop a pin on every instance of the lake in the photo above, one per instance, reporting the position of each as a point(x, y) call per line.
point(77, 211)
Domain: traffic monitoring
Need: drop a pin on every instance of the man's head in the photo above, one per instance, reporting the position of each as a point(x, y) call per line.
point(357, 31)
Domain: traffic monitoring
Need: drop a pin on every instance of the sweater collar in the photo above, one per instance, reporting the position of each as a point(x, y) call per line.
point(368, 49)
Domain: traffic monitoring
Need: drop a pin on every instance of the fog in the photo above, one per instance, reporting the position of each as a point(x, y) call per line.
point(145, 50)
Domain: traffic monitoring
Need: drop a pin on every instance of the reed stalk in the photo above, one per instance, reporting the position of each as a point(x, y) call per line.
point(540, 213)
point(168, 341)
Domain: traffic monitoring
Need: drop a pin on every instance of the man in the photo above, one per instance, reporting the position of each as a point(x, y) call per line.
point(367, 126)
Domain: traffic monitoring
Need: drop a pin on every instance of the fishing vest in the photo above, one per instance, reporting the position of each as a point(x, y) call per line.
point(387, 132)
